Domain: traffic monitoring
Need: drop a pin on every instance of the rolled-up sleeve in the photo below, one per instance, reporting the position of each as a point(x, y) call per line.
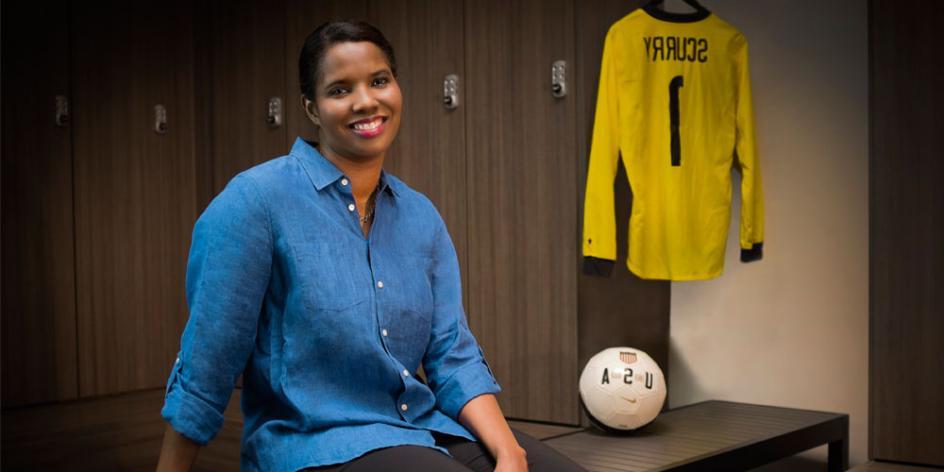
point(454, 364)
point(228, 273)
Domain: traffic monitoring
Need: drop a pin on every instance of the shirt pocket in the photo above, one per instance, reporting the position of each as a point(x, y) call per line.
point(327, 276)
point(416, 294)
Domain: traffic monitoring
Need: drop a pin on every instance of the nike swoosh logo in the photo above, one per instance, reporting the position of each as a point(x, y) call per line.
point(631, 400)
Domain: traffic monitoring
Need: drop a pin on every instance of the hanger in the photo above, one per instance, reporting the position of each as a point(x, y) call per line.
point(651, 4)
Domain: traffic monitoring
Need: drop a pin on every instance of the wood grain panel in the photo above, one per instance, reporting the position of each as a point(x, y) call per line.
point(39, 346)
point(906, 254)
point(521, 155)
point(134, 189)
point(302, 17)
point(247, 68)
point(622, 310)
point(429, 152)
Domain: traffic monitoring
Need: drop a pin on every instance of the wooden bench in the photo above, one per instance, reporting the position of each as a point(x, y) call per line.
point(712, 435)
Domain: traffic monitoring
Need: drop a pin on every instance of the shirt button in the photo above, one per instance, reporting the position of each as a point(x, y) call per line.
point(403, 407)
point(380, 284)
point(351, 207)
point(177, 361)
point(344, 182)
point(406, 373)
point(384, 332)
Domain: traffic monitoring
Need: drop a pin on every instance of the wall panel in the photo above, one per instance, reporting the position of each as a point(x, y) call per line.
point(247, 67)
point(520, 150)
point(906, 253)
point(134, 188)
point(39, 333)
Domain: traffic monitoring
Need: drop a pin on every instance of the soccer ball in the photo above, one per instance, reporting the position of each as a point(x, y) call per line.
point(622, 389)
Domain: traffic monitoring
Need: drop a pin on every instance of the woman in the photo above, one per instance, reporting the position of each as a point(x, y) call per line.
point(328, 283)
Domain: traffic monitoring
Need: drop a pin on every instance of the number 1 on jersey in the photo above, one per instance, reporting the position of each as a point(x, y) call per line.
point(674, 86)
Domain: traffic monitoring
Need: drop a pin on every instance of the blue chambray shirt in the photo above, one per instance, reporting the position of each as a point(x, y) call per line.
point(327, 327)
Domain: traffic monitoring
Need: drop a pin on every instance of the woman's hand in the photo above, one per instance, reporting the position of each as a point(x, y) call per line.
point(512, 461)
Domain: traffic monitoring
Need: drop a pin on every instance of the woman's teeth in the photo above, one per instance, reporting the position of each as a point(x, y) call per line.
point(368, 126)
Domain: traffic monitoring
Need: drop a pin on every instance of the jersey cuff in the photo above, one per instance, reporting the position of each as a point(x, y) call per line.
point(755, 253)
point(597, 267)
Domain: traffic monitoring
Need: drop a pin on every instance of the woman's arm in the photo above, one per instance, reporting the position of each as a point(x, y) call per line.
point(177, 452)
point(483, 417)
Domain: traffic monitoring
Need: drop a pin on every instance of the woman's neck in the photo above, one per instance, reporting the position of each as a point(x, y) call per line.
point(364, 175)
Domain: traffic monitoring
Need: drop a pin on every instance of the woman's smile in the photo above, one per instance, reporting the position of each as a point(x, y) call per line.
point(368, 127)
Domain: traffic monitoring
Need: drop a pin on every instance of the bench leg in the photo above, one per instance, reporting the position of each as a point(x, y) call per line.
point(838, 451)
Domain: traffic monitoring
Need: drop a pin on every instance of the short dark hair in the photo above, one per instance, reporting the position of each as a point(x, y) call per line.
point(329, 34)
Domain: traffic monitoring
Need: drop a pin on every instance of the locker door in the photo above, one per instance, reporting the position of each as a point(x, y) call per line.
point(134, 189)
point(521, 152)
point(906, 259)
point(244, 67)
point(39, 348)
point(429, 152)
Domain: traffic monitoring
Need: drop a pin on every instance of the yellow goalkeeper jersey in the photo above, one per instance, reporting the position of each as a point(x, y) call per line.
point(674, 102)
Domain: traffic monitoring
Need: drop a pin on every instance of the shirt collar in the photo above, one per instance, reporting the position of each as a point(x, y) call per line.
point(323, 172)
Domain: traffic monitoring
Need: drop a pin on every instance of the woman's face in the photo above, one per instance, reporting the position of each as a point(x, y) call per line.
point(357, 102)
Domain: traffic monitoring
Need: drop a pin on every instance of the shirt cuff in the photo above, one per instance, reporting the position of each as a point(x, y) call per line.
point(467, 383)
point(597, 267)
point(754, 253)
point(188, 414)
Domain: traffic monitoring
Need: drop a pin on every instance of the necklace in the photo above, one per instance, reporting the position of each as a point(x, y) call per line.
point(371, 205)
point(368, 215)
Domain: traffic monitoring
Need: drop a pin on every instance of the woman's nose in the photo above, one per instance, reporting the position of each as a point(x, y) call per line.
point(364, 100)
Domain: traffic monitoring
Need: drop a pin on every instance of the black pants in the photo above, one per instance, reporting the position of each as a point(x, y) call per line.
point(466, 456)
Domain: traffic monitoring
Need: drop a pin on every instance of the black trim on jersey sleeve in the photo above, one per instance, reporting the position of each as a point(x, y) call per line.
point(755, 253)
point(597, 267)
point(700, 14)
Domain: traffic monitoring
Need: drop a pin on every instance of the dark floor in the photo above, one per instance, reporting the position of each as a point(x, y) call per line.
point(891, 467)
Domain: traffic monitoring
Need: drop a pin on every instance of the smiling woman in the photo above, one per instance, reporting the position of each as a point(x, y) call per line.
point(347, 73)
point(328, 283)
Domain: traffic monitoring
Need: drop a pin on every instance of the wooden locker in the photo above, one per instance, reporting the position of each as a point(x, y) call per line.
point(39, 346)
point(429, 152)
point(906, 230)
point(245, 68)
point(521, 152)
point(134, 189)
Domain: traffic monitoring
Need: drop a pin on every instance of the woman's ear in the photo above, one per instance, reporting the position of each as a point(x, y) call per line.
point(311, 110)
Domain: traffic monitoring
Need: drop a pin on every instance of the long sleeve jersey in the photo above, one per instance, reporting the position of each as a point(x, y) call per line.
point(674, 103)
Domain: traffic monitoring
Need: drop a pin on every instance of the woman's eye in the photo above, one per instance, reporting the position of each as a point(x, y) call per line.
point(380, 81)
point(337, 91)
